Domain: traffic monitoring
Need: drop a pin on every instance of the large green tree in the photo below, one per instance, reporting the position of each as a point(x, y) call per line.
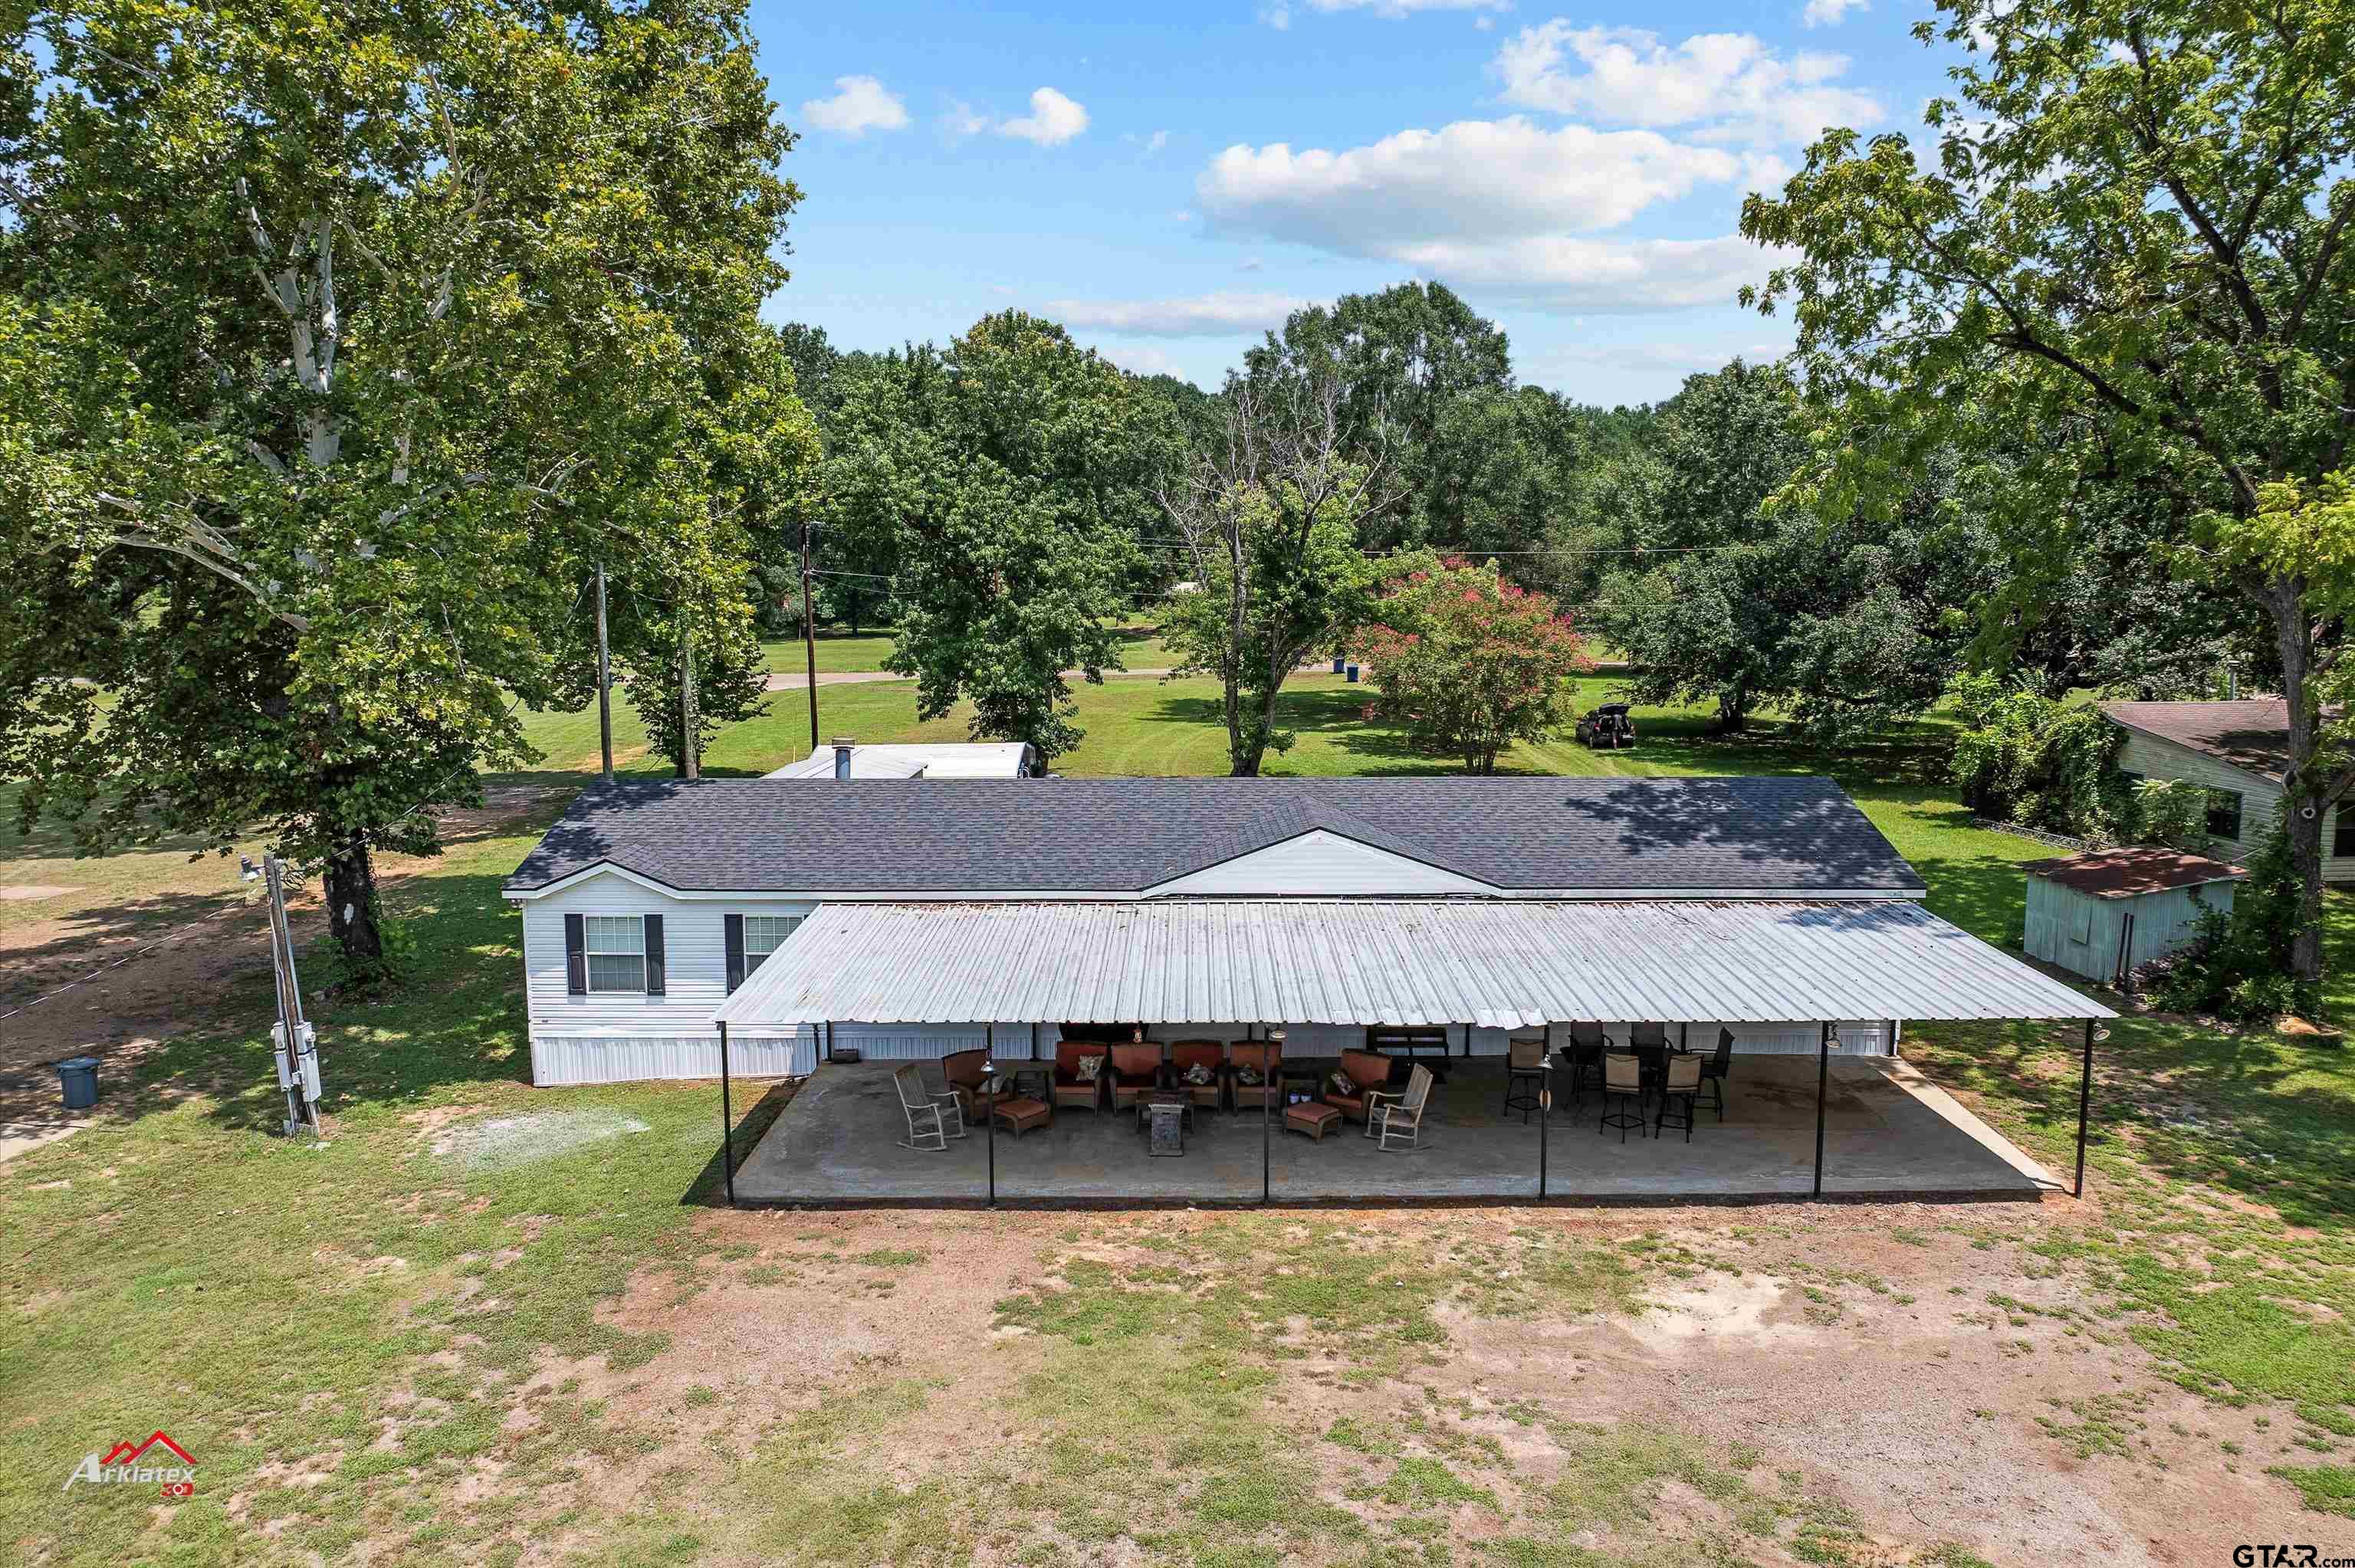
point(337, 347)
point(1271, 519)
point(1399, 360)
point(2133, 227)
point(1009, 477)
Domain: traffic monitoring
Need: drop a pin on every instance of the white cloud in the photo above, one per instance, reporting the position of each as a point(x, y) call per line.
point(1474, 179)
point(1143, 359)
point(1828, 12)
point(1053, 120)
point(1728, 86)
point(962, 120)
point(1220, 314)
point(1277, 16)
point(1561, 272)
point(1158, 140)
point(862, 104)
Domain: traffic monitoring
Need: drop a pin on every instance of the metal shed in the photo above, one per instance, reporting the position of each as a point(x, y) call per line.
point(2105, 914)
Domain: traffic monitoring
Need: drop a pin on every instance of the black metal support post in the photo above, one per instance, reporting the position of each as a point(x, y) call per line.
point(2084, 1104)
point(727, 1122)
point(604, 687)
point(1545, 1125)
point(989, 1110)
point(809, 633)
point(1267, 1082)
point(1823, 1084)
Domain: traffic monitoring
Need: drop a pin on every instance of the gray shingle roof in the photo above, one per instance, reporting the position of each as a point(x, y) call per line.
point(1122, 835)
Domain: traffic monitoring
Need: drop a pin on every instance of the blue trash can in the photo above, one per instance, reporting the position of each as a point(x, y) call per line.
point(1339, 665)
point(78, 1076)
point(1353, 673)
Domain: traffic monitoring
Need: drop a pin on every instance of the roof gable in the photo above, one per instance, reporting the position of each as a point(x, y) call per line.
point(1322, 861)
point(2251, 733)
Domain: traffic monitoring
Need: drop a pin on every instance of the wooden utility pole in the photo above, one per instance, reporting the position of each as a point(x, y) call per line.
point(690, 764)
point(809, 634)
point(604, 684)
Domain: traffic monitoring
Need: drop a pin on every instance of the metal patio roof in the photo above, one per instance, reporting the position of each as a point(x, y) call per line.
point(1505, 964)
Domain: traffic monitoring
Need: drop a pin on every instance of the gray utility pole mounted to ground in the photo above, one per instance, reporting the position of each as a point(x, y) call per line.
point(604, 684)
point(809, 634)
point(297, 1044)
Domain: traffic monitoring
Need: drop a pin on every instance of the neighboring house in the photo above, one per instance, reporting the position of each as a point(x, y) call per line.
point(1350, 902)
point(846, 758)
point(2238, 752)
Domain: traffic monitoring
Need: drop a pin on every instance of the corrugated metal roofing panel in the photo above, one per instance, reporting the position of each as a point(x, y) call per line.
point(1496, 964)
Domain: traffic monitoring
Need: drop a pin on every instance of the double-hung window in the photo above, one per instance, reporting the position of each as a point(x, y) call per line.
point(616, 946)
point(763, 935)
point(2343, 831)
point(2225, 814)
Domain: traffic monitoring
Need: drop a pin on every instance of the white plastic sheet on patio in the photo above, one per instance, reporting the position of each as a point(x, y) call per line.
point(1490, 963)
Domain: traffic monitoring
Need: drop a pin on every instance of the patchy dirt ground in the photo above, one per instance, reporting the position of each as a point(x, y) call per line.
point(1786, 1384)
point(142, 971)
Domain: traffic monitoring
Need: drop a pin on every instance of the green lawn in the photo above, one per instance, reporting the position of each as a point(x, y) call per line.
point(838, 651)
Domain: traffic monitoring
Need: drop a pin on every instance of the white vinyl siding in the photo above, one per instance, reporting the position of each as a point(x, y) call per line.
point(1319, 865)
point(620, 1036)
point(2260, 797)
point(616, 946)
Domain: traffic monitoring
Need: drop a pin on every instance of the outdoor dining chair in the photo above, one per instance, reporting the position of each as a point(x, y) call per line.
point(1717, 1066)
point(1650, 1044)
point(1524, 1074)
point(932, 1119)
point(1623, 1080)
point(1585, 1056)
point(1677, 1092)
point(1403, 1120)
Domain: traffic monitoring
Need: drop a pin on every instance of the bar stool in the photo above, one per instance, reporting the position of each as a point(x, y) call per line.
point(1623, 1080)
point(1524, 1074)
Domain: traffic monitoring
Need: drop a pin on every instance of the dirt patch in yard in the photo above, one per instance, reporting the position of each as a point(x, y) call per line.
point(1882, 1387)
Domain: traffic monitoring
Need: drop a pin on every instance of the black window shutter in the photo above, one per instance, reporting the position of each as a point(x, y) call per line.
point(735, 923)
point(576, 955)
point(653, 956)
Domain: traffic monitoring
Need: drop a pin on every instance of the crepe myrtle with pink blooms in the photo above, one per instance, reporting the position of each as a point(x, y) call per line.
point(1469, 663)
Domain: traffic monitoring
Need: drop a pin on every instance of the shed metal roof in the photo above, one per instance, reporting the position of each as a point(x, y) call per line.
point(1499, 964)
point(1792, 836)
point(2126, 873)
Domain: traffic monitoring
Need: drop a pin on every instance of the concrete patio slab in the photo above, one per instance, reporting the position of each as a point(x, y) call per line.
point(1890, 1135)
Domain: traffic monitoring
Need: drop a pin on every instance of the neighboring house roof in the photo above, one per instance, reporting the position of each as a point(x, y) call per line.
point(2124, 873)
point(2251, 733)
point(957, 760)
point(1120, 836)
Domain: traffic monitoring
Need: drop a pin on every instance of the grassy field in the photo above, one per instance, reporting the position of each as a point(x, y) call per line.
point(480, 1322)
point(839, 653)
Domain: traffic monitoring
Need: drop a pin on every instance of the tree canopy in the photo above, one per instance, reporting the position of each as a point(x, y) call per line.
point(1008, 477)
point(333, 360)
point(2130, 233)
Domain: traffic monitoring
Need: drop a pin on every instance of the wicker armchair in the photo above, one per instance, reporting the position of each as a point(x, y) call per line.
point(1251, 1066)
point(1134, 1069)
point(1070, 1087)
point(1199, 1067)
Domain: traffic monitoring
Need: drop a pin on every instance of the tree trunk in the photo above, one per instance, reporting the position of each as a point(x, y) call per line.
point(1733, 711)
point(2305, 802)
point(690, 757)
point(351, 904)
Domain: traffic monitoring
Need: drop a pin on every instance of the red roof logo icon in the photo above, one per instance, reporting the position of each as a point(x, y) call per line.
point(126, 1453)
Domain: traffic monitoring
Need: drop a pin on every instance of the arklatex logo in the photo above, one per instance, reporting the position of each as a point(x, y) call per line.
point(121, 1464)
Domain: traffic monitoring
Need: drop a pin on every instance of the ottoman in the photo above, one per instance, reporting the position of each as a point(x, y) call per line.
point(1019, 1115)
point(1312, 1116)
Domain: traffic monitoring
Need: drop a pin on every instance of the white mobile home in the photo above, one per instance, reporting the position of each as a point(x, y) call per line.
point(951, 913)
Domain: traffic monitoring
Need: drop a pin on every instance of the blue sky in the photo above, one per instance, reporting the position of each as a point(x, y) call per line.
point(1166, 181)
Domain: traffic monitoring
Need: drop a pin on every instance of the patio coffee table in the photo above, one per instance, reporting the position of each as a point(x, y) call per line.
point(1150, 1099)
point(1164, 1121)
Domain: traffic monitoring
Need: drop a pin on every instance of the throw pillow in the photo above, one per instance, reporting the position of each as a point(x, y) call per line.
point(1247, 1075)
point(1197, 1075)
point(1344, 1084)
point(1089, 1068)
